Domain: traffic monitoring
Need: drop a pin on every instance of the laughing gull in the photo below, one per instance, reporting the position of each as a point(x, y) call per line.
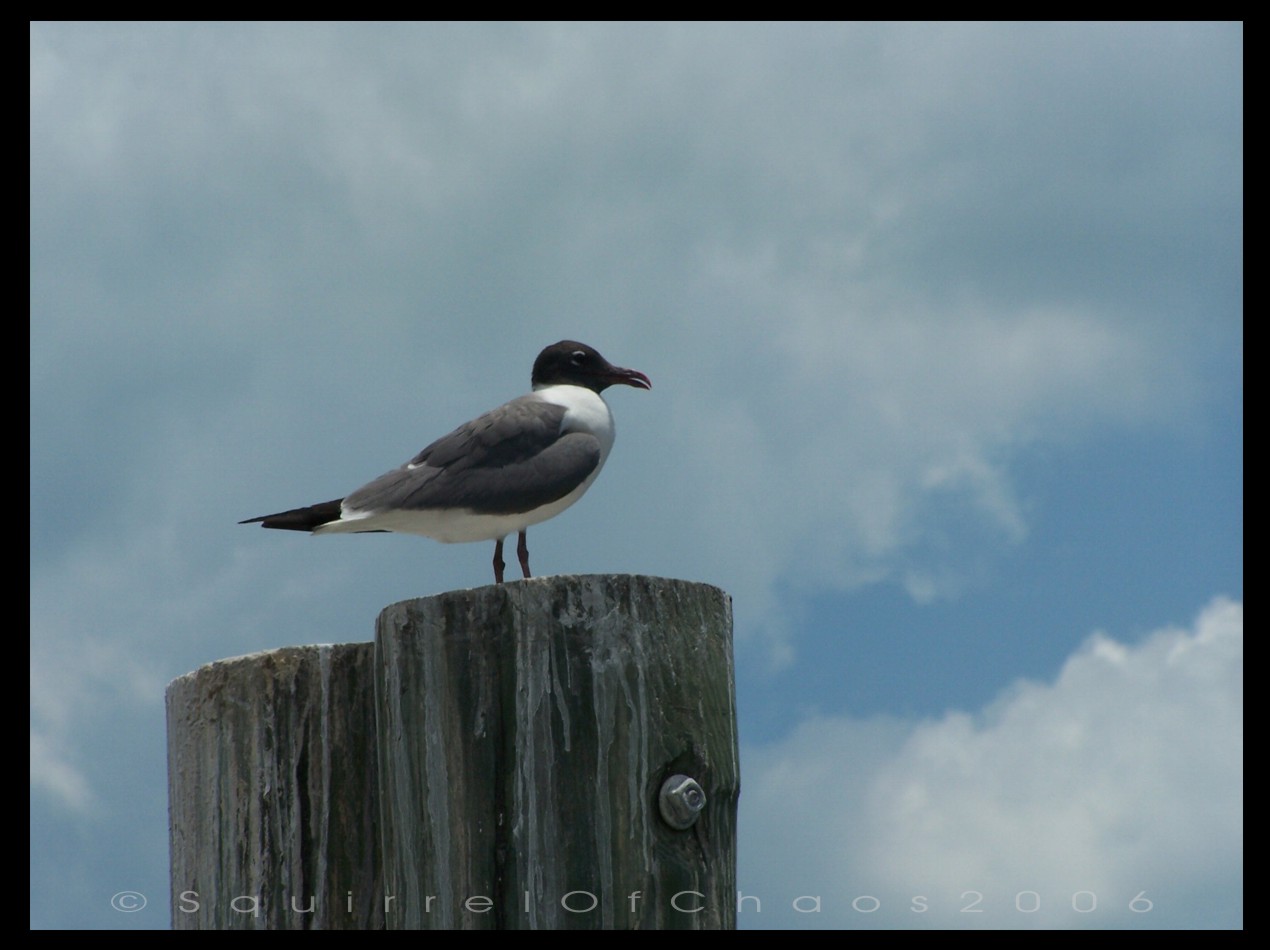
point(522, 463)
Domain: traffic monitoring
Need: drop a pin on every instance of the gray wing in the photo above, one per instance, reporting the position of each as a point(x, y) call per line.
point(511, 459)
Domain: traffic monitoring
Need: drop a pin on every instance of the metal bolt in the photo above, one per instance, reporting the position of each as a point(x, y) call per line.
point(681, 801)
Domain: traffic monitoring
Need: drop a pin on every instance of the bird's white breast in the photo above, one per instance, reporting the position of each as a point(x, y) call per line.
point(585, 411)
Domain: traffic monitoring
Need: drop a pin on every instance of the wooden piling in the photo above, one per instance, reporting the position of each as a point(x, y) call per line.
point(509, 745)
point(273, 792)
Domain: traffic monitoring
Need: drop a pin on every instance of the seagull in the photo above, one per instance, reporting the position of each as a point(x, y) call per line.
point(515, 466)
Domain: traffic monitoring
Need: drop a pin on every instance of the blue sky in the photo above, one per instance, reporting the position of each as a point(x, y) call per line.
point(945, 325)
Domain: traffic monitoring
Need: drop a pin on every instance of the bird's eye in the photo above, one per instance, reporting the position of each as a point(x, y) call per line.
point(577, 357)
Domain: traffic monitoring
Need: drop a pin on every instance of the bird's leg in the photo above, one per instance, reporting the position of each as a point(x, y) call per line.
point(522, 551)
point(498, 561)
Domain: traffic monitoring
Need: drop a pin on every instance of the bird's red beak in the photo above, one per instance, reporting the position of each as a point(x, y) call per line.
point(631, 377)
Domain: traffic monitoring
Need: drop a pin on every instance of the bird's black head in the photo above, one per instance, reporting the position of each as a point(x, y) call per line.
point(576, 364)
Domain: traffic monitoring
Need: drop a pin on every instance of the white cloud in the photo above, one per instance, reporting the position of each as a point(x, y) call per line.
point(1121, 778)
point(53, 773)
point(870, 440)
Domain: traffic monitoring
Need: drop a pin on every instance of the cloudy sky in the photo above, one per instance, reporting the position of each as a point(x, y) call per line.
point(945, 329)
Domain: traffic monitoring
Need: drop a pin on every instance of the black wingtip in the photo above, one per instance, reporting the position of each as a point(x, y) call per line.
point(301, 519)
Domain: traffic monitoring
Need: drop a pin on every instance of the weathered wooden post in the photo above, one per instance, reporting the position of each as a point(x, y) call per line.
point(552, 753)
point(273, 792)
